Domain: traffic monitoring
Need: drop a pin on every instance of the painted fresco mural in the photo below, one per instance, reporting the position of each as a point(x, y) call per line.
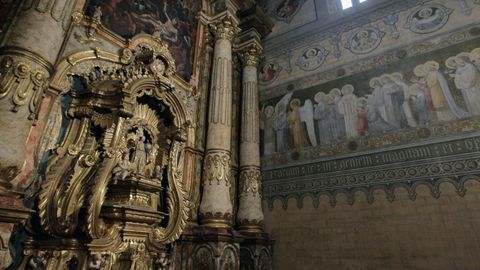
point(170, 20)
point(289, 14)
point(433, 90)
point(287, 9)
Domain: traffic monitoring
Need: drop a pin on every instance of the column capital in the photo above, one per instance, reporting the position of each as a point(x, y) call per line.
point(225, 28)
point(251, 55)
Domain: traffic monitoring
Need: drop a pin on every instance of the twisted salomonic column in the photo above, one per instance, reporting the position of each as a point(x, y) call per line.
point(26, 61)
point(216, 206)
point(250, 214)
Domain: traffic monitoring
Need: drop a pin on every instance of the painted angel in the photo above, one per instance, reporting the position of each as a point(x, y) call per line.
point(306, 115)
point(347, 107)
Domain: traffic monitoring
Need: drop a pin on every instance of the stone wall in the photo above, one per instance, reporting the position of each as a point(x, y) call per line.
point(425, 233)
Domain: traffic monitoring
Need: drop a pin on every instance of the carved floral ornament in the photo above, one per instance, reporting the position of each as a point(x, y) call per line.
point(250, 181)
point(127, 133)
point(251, 55)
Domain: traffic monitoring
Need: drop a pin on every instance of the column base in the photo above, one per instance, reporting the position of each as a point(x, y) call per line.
point(218, 220)
point(221, 248)
point(251, 228)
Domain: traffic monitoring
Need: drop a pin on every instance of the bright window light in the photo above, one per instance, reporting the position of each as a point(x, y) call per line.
point(347, 4)
point(361, 1)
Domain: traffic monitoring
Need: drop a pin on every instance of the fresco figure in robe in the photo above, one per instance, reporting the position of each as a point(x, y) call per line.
point(397, 78)
point(420, 101)
point(296, 126)
point(377, 98)
point(362, 111)
point(337, 120)
point(467, 80)
point(347, 108)
point(444, 104)
point(376, 123)
point(393, 99)
point(280, 123)
point(321, 115)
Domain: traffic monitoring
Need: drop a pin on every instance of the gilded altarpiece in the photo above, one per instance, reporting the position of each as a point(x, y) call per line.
point(113, 195)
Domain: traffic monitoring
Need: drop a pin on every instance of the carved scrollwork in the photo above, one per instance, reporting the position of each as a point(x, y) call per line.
point(250, 181)
point(25, 84)
point(62, 192)
point(177, 201)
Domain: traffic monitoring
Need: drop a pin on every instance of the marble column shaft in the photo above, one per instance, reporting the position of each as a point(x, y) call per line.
point(250, 213)
point(216, 206)
point(26, 61)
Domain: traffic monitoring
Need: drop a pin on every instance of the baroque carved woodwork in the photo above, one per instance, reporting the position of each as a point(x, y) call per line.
point(113, 194)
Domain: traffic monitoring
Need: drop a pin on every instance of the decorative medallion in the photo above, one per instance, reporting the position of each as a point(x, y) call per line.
point(428, 19)
point(269, 71)
point(364, 40)
point(312, 58)
point(287, 9)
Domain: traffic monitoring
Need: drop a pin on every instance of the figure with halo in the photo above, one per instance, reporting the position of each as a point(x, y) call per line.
point(296, 127)
point(467, 80)
point(444, 104)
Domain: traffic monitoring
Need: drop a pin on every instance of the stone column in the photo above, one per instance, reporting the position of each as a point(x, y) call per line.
point(216, 206)
point(250, 214)
point(26, 61)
